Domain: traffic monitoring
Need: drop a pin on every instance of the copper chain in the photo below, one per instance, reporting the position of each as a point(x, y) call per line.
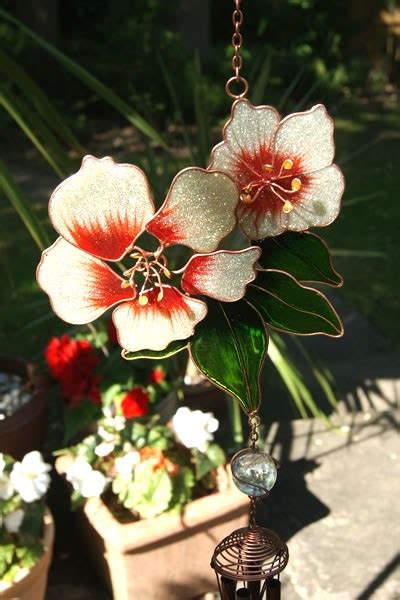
point(237, 59)
point(254, 424)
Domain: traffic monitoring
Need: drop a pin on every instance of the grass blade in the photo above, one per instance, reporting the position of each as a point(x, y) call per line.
point(34, 94)
point(25, 118)
point(91, 82)
point(21, 206)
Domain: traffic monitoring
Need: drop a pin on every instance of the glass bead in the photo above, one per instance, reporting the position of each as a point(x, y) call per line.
point(253, 472)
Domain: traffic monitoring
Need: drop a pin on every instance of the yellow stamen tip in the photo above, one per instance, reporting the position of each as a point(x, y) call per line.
point(296, 184)
point(125, 284)
point(167, 273)
point(246, 198)
point(267, 167)
point(143, 300)
point(160, 296)
point(287, 164)
point(287, 207)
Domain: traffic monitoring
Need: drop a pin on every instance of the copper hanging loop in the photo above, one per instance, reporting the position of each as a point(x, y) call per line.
point(237, 59)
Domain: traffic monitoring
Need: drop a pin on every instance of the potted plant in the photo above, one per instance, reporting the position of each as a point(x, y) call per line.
point(26, 527)
point(147, 494)
point(22, 407)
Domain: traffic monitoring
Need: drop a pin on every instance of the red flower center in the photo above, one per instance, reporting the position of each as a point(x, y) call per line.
point(268, 182)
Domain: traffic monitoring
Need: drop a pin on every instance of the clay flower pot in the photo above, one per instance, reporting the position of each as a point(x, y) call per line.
point(24, 430)
point(33, 585)
point(166, 557)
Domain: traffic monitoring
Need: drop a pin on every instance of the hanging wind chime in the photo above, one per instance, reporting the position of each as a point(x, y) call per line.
point(273, 178)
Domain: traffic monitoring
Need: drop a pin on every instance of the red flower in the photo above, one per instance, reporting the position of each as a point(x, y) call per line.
point(135, 403)
point(72, 363)
point(157, 375)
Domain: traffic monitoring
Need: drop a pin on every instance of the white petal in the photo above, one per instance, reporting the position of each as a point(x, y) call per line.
point(155, 325)
point(80, 286)
point(307, 136)
point(103, 207)
point(320, 201)
point(249, 128)
point(222, 275)
point(198, 212)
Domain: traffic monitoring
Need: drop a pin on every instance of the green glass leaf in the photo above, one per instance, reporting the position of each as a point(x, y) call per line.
point(229, 346)
point(303, 255)
point(289, 306)
point(170, 350)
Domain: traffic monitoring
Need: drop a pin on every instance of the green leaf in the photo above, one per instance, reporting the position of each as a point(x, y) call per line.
point(170, 350)
point(288, 306)
point(208, 461)
point(229, 347)
point(303, 255)
point(215, 455)
point(78, 418)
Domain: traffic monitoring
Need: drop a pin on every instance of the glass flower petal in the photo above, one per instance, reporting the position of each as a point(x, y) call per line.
point(198, 212)
point(80, 286)
point(249, 128)
point(103, 207)
point(319, 200)
point(154, 325)
point(306, 137)
point(222, 275)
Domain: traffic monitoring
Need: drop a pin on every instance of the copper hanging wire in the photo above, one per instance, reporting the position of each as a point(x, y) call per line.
point(237, 59)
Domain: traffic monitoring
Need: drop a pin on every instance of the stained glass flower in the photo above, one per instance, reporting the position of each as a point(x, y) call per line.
point(101, 210)
point(283, 168)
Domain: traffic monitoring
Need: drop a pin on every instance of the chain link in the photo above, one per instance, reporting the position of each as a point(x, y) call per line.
point(237, 60)
point(254, 424)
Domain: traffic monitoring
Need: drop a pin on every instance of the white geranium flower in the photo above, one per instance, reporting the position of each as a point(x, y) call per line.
point(77, 471)
point(6, 487)
point(194, 428)
point(124, 464)
point(30, 477)
point(104, 449)
point(118, 422)
point(93, 485)
point(107, 436)
point(84, 479)
point(13, 521)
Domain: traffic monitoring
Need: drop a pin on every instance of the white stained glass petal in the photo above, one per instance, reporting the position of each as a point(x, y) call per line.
point(222, 275)
point(249, 128)
point(319, 203)
point(103, 207)
point(261, 224)
point(307, 136)
point(80, 286)
point(198, 212)
point(157, 323)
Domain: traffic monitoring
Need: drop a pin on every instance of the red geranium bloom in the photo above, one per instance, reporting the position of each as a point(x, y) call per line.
point(99, 213)
point(157, 375)
point(283, 168)
point(72, 363)
point(135, 403)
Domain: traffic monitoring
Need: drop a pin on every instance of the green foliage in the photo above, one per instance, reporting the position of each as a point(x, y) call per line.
point(305, 256)
point(289, 306)
point(229, 346)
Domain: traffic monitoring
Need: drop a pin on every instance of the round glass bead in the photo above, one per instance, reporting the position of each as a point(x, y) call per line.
point(253, 472)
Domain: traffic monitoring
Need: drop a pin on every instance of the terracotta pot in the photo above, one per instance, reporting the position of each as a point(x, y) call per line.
point(24, 430)
point(33, 585)
point(166, 557)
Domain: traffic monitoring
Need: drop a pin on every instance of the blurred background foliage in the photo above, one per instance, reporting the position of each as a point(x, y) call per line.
point(143, 80)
